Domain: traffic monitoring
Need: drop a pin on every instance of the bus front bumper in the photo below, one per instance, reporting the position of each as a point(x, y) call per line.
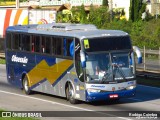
point(99, 96)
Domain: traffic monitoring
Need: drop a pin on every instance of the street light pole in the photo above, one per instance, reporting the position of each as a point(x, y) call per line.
point(157, 8)
point(111, 9)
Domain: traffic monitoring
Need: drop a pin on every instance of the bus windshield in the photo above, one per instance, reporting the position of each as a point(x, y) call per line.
point(105, 67)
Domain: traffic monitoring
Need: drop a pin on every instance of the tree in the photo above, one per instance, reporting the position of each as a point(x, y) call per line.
point(136, 9)
point(79, 14)
point(105, 3)
point(98, 16)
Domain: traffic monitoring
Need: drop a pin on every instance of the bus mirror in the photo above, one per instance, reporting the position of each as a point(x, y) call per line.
point(83, 59)
point(138, 52)
point(131, 58)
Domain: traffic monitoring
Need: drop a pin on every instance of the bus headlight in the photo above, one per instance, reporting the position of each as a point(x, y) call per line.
point(93, 90)
point(131, 87)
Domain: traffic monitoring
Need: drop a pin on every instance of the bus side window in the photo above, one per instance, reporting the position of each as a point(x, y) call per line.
point(58, 46)
point(48, 45)
point(78, 66)
point(21, 44)
point(15, 41)
point(43, 45)
point(26, 42)
point(68, 47)
point(37, 44)
point(65, 47)
point(8, 41)
point(53, 46)
point(32, 43)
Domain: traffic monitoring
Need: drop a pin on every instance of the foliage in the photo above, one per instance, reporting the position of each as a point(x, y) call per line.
point(105, 3)
point(79, 15)
point(99, 16)
point(136, 9)
point(2, 61)
point(119, 13)
point(63, 18)
point(142, 33)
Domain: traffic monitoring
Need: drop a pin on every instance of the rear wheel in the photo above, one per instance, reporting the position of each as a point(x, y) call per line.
point(26, 87)
point(70, 94)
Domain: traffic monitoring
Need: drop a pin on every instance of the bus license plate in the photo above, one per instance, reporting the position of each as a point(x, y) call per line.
point(113, 96)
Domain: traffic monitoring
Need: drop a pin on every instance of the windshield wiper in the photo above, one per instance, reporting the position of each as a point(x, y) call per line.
point(106, 76)
point(117, 68)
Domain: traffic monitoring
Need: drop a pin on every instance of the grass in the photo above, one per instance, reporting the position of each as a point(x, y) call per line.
point(2, 61)
point(148, 81)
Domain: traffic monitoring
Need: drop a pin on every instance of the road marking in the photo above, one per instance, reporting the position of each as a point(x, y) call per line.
point(62, 104)
point(148, 86)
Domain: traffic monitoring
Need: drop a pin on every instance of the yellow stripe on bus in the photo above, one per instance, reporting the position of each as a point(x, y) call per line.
point(51, 73)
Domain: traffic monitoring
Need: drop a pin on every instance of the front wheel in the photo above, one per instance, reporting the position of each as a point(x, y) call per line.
point(26, 87)
point(70, 94)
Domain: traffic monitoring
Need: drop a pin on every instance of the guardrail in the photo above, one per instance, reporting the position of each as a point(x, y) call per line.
point(2, 55)
point(151, 61)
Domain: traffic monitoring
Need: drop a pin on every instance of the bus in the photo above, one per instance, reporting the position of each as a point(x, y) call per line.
point(75, 61)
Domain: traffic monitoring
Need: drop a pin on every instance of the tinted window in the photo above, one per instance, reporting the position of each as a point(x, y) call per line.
point(108, 43)
point(8, 40)
point(53, 46)
point(35, 43)
point(15, 41)
point(68, 46)
point(58, 43)
point(46, 45)
point(25, 42)
point(78, 66)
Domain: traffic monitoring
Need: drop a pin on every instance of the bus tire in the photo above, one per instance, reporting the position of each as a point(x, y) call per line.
point(70, 94)
point(26, 87)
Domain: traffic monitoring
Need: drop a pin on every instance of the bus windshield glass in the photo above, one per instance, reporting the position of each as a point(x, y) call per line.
point(107, 43)
point(106, 67)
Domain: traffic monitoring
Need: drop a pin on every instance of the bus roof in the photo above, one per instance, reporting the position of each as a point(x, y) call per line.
point(66, 29)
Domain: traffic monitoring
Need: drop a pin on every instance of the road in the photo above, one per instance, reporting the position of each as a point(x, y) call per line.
point(13, 99)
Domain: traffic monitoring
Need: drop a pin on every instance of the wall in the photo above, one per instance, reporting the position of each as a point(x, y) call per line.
point(10, 17)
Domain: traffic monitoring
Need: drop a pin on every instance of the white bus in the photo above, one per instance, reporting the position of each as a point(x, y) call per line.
point(76, 61)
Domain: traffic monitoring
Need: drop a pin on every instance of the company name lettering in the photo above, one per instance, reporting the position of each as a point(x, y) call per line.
point(19, 59)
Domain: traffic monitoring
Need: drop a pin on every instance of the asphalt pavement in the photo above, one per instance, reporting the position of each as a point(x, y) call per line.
point(13, 99)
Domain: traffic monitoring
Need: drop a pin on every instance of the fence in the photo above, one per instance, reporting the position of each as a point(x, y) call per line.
point(2, 55)
point(151, 61)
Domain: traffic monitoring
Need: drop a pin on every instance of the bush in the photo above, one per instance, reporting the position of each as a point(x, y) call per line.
point(143, 33)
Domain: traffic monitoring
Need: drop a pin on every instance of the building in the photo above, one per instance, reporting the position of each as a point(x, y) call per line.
point(120, 4)
point(153, 6)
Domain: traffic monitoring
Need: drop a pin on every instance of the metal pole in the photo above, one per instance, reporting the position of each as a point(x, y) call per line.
point(28, 16)
point(157, 8)
point(144, 57)
point(17, 4)
point(110, 9)
point(29, 8)
point(159, 58)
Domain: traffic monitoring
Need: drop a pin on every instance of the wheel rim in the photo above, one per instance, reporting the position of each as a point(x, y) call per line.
point(26, 85)
point(71, 91)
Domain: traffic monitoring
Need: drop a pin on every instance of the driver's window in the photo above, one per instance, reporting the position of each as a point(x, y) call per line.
point(78, 66)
